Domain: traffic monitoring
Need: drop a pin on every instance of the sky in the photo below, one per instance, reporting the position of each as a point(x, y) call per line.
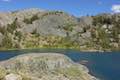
point(74, 7)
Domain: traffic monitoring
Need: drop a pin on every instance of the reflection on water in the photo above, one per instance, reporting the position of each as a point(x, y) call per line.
point(83, 62)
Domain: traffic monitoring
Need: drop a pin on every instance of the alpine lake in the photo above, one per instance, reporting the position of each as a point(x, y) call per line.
point(103, 65)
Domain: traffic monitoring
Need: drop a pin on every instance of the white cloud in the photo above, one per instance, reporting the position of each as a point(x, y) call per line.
point(6, 0)
point(116, 8)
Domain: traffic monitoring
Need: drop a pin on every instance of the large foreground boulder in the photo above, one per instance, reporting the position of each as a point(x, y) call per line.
point(44, 66)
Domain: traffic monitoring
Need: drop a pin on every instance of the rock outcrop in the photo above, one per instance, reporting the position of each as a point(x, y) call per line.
point(43, 66)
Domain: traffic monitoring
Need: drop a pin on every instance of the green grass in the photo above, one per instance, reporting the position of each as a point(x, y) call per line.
point(71, 72)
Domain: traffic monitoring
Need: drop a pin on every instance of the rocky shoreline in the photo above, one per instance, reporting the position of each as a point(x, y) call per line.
point(43, 66)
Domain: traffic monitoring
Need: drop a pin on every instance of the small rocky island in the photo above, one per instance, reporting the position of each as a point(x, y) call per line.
point(43, 66)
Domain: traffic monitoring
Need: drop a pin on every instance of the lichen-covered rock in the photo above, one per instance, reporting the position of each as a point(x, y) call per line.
point(13, 77)
point(3, 72)
point(46, 66)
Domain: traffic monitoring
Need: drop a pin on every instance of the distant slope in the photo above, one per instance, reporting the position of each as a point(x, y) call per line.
point(34, 28)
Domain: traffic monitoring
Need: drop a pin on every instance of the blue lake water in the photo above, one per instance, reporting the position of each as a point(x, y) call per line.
point(105, 66)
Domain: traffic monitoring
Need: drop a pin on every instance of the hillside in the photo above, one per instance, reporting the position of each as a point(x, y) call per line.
point(34, 28)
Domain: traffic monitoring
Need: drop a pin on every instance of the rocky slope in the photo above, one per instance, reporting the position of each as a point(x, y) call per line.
point(34, 28)
point(43, 66)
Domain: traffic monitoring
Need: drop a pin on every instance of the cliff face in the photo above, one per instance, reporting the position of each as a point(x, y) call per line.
point(43, 66)
point(34, 28)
